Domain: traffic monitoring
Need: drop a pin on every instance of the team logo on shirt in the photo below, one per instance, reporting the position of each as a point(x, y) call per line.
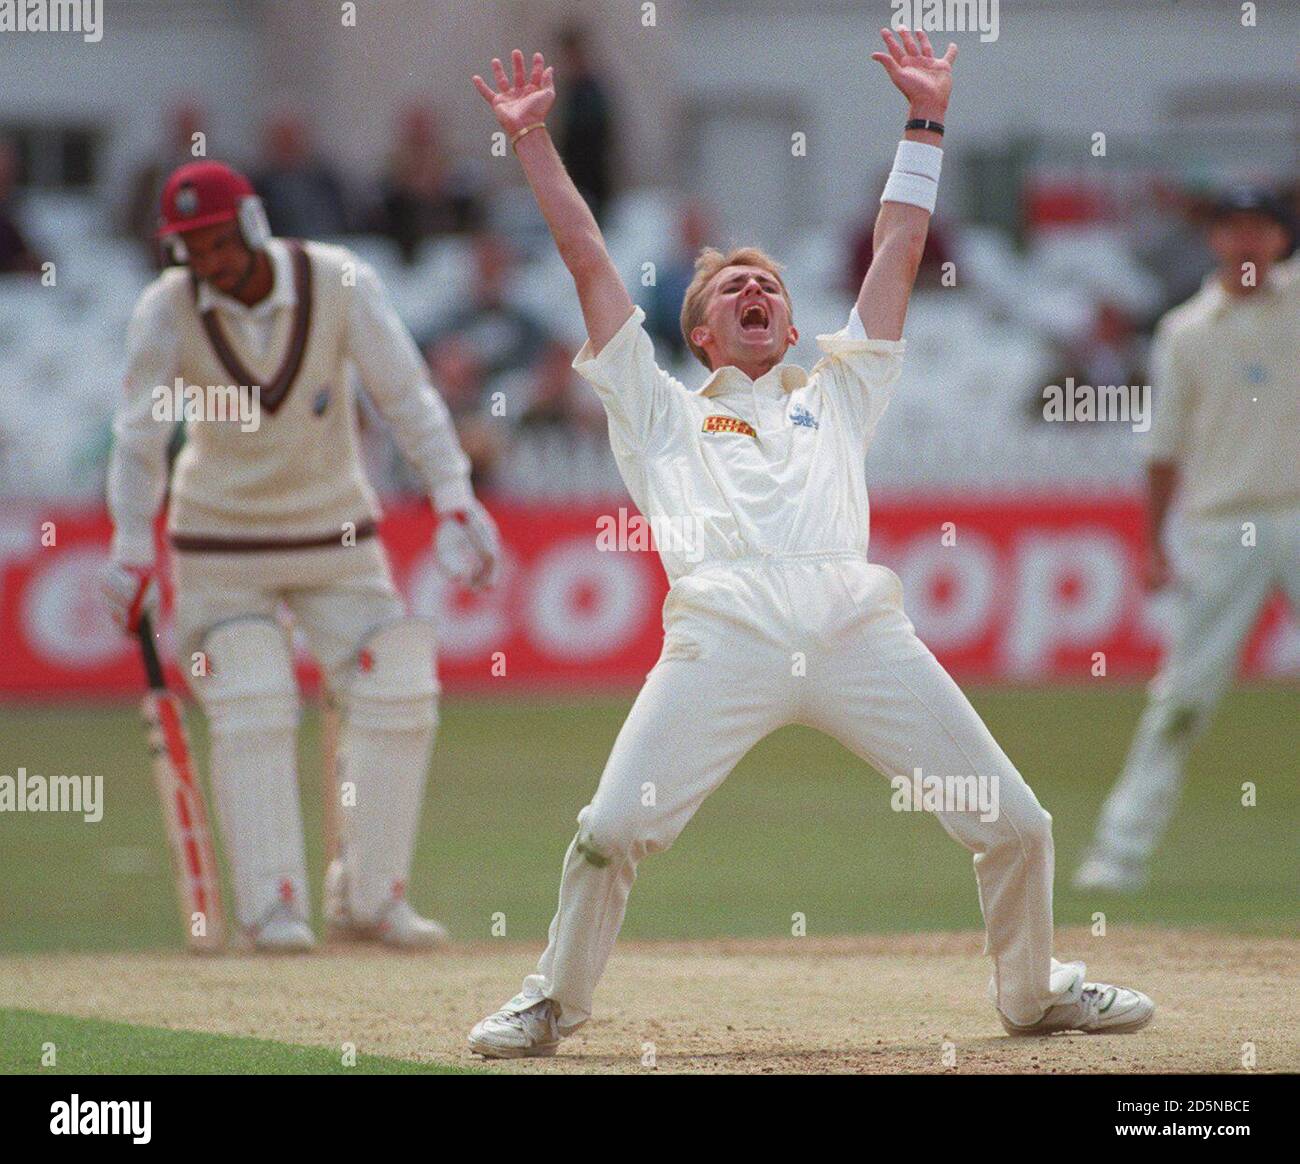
point(187, 201)
point(728, 424)
point(803, 418)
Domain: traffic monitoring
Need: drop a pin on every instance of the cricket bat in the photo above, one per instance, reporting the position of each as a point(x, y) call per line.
point(193, 857)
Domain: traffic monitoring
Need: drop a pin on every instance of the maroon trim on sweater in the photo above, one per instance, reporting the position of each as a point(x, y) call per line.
point(274, 393)
point(204, 544)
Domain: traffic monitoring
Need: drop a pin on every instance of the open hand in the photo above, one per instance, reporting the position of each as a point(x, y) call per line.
point(924, 79)
point(525, 102)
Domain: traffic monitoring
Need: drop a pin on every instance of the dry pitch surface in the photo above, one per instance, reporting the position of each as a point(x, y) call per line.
point(875, 1004)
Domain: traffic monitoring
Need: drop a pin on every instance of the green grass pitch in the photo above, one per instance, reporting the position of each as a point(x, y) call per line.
point(801, 826)
point(93, 1047)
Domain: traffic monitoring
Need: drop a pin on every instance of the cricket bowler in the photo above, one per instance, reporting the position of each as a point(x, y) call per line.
point(1225, 445)
point(782, 619)
point(270, 507)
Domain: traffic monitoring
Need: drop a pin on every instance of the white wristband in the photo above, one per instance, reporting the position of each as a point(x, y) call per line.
point(915, 176)
point(915, 157)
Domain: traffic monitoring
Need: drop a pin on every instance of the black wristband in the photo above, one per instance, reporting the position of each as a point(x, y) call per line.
point(926, 124)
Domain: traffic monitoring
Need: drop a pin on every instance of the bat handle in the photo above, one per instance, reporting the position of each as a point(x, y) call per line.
point(149, 653)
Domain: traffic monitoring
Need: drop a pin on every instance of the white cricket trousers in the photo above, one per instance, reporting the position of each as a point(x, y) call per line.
point(1226, 573)
point(820, 640)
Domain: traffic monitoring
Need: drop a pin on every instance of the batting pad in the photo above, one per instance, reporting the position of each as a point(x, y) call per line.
point(251, 702)
point(390, 715)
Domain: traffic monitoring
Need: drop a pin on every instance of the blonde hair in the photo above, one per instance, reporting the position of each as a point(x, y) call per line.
point(709, 262)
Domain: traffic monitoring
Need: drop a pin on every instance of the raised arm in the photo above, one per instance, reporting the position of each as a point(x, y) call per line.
point(899, 238)
point(521, 108)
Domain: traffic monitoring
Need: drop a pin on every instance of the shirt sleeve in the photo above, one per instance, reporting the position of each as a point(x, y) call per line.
point(137, 469)
point(638, 395)
point(397, 381)
point(1173, 399)
point(859, 373)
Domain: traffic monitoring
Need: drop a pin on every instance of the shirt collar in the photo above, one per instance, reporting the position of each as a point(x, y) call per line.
point(282, 293)
point(1219, 301)
point(782, 378)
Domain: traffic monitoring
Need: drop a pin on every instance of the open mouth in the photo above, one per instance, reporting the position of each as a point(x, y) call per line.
point(754, 318)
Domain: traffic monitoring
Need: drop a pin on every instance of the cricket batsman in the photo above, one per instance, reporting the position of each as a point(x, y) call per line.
point(271, 507)
point(1225, 444)
point(782, 619)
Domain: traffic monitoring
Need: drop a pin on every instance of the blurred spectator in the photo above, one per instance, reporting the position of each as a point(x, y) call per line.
point(1114, 351)
point(303, 195)
point(502, 336)
point(423, 193)
point(1169, 242)
point(587, 122)
point(460, 375)
point(663, 304)
point(138, 217)
point(861, 247)
point(16, 254)
point(555, 397)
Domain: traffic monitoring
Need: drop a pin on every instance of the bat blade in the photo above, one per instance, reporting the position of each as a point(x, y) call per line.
point(189, 839)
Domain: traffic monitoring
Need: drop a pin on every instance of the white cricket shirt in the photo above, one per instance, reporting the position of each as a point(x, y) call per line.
point(748, 468)
point(1226, 381)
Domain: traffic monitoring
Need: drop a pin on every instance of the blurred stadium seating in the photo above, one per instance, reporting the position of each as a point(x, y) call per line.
point(1062, 263)
point(979, 354)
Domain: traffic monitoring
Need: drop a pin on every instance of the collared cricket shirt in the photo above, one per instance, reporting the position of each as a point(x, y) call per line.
point(1227, 397)
point(752, 468)
point(756, 489)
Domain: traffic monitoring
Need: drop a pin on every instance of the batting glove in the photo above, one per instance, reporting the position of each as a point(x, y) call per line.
point(468, 547)
point(129, 592)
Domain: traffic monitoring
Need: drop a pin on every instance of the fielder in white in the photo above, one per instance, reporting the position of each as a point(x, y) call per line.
point(1225, 446)
point(270, 506)
point(782, 619)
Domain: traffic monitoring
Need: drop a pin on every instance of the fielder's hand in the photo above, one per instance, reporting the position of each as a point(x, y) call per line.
point(468, 547)
point(524, 103)
point(129, 592)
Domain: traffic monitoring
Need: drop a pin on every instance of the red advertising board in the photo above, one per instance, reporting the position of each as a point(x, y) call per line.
point(1016, 589)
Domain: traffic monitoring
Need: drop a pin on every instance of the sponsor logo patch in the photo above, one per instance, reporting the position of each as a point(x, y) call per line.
point(728, 424)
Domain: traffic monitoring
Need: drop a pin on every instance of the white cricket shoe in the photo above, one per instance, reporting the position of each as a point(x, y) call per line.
point(1101, 1010)
point(399, 925)
point(1109, 875)
point(523, 1028)
point(283, 932)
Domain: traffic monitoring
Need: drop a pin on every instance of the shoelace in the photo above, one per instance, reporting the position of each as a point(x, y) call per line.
point(537, 1013)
